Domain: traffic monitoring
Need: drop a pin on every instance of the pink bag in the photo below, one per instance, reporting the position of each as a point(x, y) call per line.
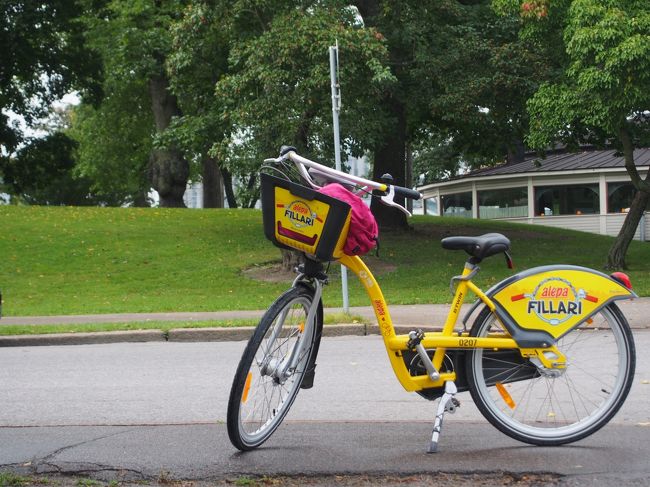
point(363, 232)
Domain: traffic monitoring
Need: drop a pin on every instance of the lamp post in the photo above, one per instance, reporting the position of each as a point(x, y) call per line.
point(336, 108)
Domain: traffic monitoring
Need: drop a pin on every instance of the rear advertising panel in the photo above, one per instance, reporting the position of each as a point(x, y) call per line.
point(558, 299)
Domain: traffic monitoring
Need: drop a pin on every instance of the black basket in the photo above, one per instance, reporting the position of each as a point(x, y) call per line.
point(301, 218)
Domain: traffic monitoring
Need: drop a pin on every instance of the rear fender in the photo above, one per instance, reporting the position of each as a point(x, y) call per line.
point(540, 305)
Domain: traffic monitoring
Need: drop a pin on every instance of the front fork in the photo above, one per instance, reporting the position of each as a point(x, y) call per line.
point(286, 366)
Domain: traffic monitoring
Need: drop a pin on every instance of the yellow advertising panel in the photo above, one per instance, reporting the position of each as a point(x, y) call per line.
point(299, 223)
point(559, 299)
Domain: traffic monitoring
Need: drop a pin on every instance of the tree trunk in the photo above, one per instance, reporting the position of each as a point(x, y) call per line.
point(252, 195)
point(617, 252)
point(516, 152)
point(227, 185)
point(168, 168)
point(390, 153)
point(390, 158)
point(291, 259)
point(408, 177)
point(141, 200)
point(212, 184)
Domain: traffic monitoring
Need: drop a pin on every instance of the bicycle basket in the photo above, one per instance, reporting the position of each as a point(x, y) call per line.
point(304, 219)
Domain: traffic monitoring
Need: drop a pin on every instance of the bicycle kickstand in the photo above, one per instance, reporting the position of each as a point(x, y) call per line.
point(448, 404)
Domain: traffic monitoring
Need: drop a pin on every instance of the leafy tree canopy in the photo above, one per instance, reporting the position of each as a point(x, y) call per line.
point(605, 88)
point(44, 56)
point(133, 40)
point(41, 173)
point(114, 143)
point(279, 89)
point(603, 93)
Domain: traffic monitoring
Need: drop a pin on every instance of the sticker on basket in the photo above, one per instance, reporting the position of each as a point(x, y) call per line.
point(299, 214)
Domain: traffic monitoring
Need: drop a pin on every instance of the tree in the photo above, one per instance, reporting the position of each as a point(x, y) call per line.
point(604, 93)
point(41, 173)
point(115, 141)
point(277, 89)
point(463, 78)
point(134, 40)
point(44, 56)
point(198, 59)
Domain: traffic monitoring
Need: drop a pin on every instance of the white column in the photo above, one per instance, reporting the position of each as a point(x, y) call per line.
point(474, 201)
point(531, 199)
point(602, 194)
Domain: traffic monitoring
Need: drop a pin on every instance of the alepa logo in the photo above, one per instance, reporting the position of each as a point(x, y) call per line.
point(300, 214)
point(555, 300)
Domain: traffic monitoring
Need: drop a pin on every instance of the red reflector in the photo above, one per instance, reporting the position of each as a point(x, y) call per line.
point(622, 278)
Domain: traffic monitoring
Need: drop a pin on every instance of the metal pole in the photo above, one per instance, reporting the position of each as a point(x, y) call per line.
point(336, 107)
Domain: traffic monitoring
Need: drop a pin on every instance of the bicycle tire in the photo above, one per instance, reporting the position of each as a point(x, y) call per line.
point(259, 401)
point(551, 411)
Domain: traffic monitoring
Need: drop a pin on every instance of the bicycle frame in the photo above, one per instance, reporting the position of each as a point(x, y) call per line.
point(441, 341)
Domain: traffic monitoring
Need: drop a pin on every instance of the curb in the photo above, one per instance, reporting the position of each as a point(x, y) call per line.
point(186, 335)
point(82, 338)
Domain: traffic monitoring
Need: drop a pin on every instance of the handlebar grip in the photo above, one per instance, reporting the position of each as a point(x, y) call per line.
point(407, 193)
point(286, 149)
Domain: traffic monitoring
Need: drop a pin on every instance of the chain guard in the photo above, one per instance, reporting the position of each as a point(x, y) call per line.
point(455, 362)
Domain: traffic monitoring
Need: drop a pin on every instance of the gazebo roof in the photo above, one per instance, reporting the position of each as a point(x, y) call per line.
point(565, 161)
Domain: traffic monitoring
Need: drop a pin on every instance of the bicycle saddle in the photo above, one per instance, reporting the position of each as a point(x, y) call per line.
point(480, 247)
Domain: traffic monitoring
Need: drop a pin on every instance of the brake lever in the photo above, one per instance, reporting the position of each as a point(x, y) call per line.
point(388, 200)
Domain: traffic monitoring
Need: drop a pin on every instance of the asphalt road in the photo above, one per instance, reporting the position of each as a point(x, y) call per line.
point(151, 410)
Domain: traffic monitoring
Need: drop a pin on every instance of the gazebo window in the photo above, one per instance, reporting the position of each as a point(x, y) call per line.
point(503, 203)
point(457, 204)
point(431, 206)
point(620, 196)
point(579, 199)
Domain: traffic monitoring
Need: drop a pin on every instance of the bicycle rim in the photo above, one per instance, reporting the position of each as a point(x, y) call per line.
point(547, 410)
point(260, 399)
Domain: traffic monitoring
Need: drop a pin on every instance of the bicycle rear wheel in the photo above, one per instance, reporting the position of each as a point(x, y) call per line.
point(542, 407)
point(265, 386)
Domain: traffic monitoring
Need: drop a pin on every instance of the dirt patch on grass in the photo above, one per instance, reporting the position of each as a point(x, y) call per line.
point(269, 272)
point(273, 272)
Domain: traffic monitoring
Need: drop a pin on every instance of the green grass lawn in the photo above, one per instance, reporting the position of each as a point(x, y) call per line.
point(58, 260)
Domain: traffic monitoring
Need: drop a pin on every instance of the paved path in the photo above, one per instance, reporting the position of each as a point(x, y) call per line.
point(146, 411)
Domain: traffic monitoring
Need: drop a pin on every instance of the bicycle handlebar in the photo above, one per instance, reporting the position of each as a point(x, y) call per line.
point(390, 190)
point(407, 193)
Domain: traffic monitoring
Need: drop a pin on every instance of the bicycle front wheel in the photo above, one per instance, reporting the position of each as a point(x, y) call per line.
point(552, 407)
point(272, 368)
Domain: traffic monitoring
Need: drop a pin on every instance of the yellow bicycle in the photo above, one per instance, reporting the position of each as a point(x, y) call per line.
point(549, 359)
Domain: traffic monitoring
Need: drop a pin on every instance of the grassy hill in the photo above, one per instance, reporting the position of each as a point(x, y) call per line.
point(111, 260)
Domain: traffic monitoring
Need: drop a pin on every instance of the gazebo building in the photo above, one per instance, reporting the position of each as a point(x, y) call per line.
point(588, 191)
